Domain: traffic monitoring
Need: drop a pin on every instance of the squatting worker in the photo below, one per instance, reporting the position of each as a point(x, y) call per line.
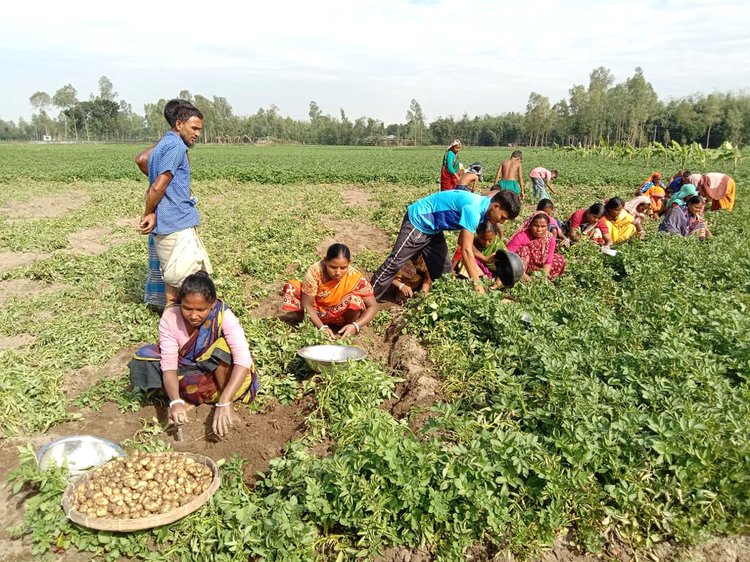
point(423, 226)
point(170, 207)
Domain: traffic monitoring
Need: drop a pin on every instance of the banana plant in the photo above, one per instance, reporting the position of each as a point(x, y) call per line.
point(680, 152)
point(728, 152)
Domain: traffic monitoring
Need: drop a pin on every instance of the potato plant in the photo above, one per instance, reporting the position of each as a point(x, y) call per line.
point(621, 412)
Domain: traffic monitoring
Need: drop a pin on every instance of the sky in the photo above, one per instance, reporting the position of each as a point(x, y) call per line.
point(368, 57)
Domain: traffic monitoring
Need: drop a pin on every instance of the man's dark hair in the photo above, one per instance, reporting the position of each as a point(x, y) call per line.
point(555, 172)
point(509, 201)
point(198, 283)
point(185, 111)
point(170, 109)
point(516, 154)
point(597, 209)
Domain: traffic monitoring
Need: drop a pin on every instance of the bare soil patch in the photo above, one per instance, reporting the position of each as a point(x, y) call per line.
point(81, 379)
point(94, 241)
point(354, 197)
point(50, 206)
point(24, 288)
point(421, 387)
point(12, 260)
point(18, 341)
point(356, 235)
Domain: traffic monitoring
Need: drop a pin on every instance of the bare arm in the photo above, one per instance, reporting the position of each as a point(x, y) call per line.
point(466, 241)
point(497, 175)
point(142, 159)
point(157, 191)
point(520, 177)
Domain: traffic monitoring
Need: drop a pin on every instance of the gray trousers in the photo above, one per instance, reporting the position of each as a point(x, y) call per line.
point(410, 243)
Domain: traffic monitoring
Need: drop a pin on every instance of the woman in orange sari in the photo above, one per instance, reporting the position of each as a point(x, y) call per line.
point(335, 295)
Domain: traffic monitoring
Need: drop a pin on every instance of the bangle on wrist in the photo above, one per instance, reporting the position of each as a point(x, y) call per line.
point(356, 326)
point(323, 327)
point(222, 404)
point(177, 401)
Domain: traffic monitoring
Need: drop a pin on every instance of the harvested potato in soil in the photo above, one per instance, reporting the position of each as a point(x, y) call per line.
point(140, 485)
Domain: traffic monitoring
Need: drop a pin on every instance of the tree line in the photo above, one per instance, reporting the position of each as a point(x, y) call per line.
point(603, 111)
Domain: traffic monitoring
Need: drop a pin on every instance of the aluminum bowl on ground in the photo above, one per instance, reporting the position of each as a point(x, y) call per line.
point(509, 267)
point(78, 452)
point(324, 357)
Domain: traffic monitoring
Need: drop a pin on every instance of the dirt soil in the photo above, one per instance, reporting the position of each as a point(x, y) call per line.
point(24, 288)
point(94, 241)
point(355, 197)
point(81, 379)
point(12, 260)
point(356, 235)
point(47, 207)
point(18, 341)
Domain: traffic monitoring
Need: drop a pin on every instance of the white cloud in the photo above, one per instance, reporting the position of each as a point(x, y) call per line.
point(476, 56)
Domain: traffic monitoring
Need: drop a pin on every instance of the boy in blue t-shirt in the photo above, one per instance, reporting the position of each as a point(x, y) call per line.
point(423, 226)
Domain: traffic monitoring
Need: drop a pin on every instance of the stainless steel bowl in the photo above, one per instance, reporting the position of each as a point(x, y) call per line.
point(78, 452)
point(325, 357)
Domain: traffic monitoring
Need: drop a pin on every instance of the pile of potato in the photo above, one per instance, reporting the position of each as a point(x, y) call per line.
point(142, 484)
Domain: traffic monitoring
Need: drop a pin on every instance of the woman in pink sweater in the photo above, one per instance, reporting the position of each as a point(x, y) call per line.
point(202, 356)
point(536, 245)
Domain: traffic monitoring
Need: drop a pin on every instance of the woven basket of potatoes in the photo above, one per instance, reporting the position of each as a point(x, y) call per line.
point(141, 491)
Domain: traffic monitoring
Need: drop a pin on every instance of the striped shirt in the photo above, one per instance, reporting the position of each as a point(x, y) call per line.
point(176, 211)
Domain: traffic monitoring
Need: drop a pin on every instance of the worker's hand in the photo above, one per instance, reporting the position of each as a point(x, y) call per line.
point(147, 224)
point(479, 288)
point(405, 290)
point(348, 330)
point(328, 332)
point(224, 418)
point(178, 414)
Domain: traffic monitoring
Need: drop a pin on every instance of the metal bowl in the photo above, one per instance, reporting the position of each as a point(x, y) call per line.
point(609, 252)
point(324, 357)
point(78, 452)
point(509, 267)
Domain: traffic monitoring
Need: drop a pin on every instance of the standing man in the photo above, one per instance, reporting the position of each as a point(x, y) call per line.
point(170, 207)
point(510, 174)
point(541, 181)
point(423, 226)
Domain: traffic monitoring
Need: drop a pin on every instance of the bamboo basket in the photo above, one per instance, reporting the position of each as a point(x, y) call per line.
point(157, 520)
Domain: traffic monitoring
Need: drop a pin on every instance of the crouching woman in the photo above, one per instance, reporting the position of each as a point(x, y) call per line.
point(335, 295)
point(202, 356)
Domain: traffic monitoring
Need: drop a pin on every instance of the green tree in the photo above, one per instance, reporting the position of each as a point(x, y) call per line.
point(415, 121)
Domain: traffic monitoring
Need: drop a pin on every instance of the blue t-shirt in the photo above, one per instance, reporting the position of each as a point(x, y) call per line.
point(176, 210)
point(448, 210)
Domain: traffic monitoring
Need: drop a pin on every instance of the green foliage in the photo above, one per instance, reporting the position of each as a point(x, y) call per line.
point(622, 409)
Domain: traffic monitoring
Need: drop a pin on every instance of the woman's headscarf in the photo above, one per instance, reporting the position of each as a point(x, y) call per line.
point(525, 225)
point(632, 205)
point(455, 144)
point(687, 190)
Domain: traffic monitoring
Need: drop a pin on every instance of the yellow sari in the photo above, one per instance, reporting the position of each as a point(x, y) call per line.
point(622, 227)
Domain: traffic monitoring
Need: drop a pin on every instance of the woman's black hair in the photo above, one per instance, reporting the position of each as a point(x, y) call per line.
point(336, 251)
point(200, 283)
point(694, 200)
point(545, 204)
point(544, 216)
point(485, 226)
point(614, 203)
point(596, 209)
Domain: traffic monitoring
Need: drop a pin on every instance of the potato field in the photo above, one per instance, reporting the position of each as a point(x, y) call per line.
point(614, 425)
